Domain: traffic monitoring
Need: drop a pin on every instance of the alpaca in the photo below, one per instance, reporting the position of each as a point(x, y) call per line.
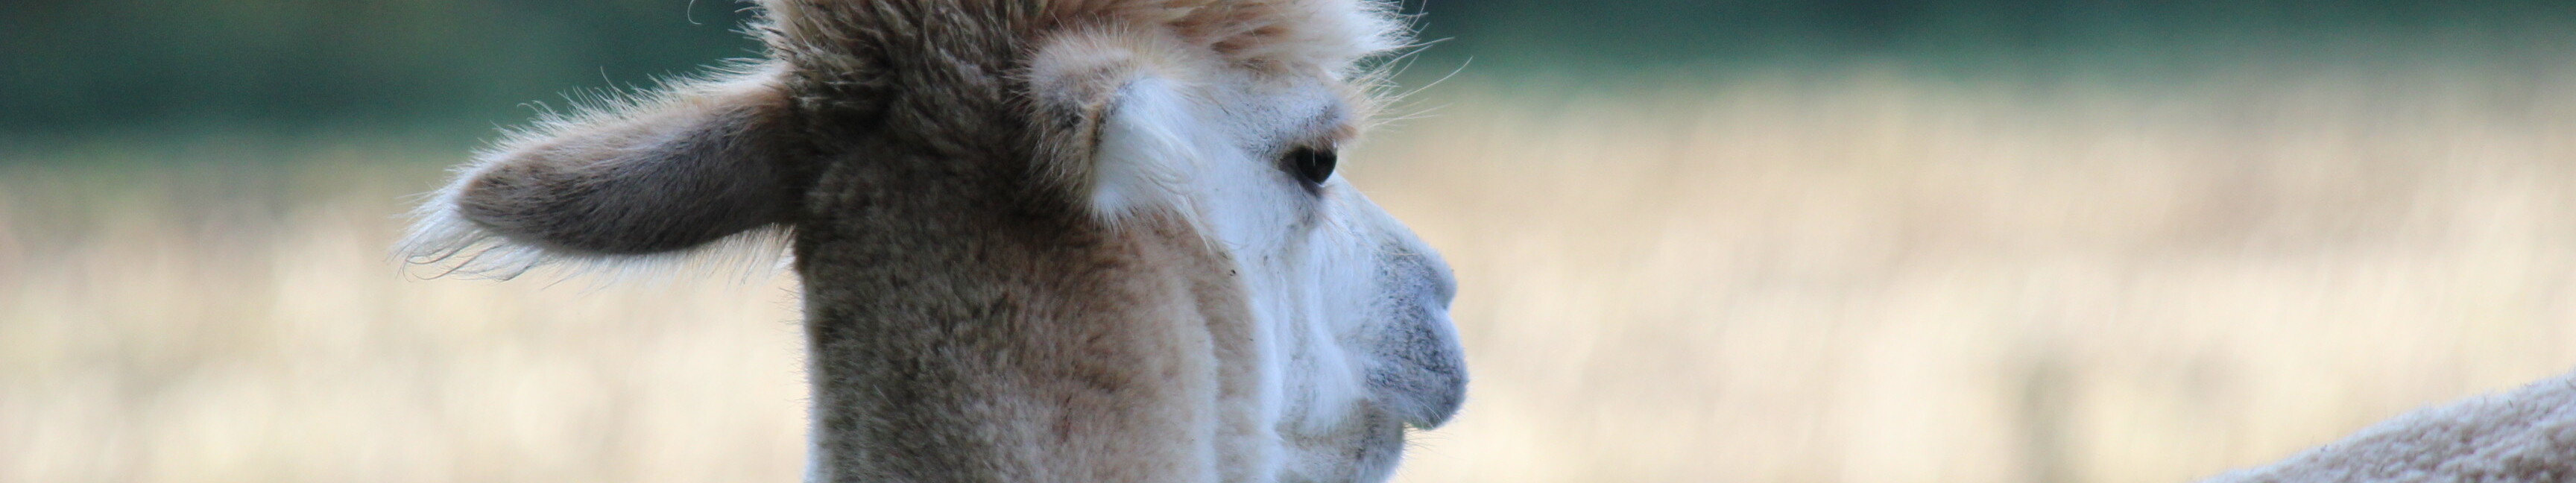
point(2527, 435)
point(1039, 240)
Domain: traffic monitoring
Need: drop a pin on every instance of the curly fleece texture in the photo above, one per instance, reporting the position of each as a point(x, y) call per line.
point(2524, 435)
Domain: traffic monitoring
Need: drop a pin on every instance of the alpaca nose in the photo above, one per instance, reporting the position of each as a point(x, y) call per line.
point(1421, 373)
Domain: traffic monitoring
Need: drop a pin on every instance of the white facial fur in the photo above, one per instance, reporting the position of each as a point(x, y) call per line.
point(1352, 306)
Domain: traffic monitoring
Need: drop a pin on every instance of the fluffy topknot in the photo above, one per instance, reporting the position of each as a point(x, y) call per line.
point(851, 37)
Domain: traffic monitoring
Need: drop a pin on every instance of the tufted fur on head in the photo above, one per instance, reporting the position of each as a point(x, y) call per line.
point(847, 37)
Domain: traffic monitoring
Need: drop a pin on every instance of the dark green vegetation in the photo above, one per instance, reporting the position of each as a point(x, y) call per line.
point(142, 65)
point(1525, 32)
point(457, 67)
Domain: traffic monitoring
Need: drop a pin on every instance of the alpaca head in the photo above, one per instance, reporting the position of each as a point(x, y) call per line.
point(989, 198)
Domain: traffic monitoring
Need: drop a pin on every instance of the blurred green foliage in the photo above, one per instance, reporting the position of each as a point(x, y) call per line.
point(73, 65)
point(69, 66)
point(1523, 33)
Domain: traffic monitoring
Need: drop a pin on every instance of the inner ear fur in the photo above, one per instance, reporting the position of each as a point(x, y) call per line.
point(1078, 79)
point(696, 163)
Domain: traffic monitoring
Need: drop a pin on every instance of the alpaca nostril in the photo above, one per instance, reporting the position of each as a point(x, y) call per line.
point(1440, 281)
point(1448, 284)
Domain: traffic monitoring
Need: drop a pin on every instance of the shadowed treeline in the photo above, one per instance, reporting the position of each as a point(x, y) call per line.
point(457, 67)
point(1527, 33)
point(127, 66)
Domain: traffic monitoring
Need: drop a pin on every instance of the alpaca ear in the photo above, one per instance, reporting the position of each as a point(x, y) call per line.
point(692, 165)
point(1118, 118)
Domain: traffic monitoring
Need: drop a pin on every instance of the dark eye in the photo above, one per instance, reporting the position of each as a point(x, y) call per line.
point(1311, 166)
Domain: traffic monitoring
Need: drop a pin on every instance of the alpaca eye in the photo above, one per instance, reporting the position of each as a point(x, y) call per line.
point(1311, 166)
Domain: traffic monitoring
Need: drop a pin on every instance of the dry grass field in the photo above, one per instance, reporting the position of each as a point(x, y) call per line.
point(1841, 275)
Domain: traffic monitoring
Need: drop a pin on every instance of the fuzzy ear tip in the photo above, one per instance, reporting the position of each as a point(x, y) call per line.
point(442, 242)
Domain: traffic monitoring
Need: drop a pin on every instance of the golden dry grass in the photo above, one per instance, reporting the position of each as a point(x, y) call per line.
point(1854, 275)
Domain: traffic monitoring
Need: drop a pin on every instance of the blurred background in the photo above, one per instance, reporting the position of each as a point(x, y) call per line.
point(1700, 241)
